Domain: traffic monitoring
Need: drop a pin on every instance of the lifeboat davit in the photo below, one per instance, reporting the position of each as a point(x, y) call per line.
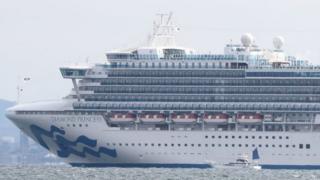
point(249, 118)
point(122, 117)
point(215, 118)
point(184, 118)
point(152, 118)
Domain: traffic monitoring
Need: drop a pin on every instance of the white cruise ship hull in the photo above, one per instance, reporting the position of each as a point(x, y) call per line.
point(87, 140)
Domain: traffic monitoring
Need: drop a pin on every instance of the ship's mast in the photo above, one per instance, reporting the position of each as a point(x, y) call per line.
point(163, 31)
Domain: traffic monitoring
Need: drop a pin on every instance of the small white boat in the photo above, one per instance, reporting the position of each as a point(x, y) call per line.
point(243, 161)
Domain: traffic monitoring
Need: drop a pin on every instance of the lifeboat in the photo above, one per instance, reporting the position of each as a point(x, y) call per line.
point(268, 117)
point(152, 118)
point(215, 118)
point(278, 118)
point(122, 117)
point(249, 118)
point(184, 118)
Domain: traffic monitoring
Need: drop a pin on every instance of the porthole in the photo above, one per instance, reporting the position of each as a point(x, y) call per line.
point(307, 146)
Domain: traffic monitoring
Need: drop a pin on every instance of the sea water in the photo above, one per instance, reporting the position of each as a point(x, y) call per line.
point(34, 172)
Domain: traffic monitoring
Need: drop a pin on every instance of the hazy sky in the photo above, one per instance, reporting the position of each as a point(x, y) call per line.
point(38, 36)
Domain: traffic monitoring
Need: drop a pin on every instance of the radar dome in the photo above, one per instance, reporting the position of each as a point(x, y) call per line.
point(247, 39)
point(278, 42)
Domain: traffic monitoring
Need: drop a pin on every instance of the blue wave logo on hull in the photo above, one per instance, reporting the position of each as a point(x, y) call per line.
point(66, 147)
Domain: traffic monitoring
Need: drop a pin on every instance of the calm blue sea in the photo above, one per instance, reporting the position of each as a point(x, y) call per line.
point(65, 172)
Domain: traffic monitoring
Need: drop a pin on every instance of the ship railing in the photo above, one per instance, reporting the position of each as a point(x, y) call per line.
point(290, 107)
point(171, 57)
point(302, 68)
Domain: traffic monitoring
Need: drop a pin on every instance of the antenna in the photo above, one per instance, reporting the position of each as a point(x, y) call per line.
point(87, 59)
point(169, 18)
point(162, 15)
point(20, 87)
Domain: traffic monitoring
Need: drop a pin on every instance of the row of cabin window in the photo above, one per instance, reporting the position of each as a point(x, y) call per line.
point(180, 81)
point(59, 112)
point(301, 146)
point(245, 137)
point(88, 113)
point(200, 89)
point(74, 125)
point(173, 65)
point(205, 98)
point(199, 106)
point(199, 153)
point(171, 73)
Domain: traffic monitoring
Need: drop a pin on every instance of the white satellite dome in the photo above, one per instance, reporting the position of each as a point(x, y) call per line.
point(278, 42)
point(247, 39)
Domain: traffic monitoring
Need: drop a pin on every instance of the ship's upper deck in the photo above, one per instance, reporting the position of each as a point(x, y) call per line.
point(162, 48)
point(162, 54)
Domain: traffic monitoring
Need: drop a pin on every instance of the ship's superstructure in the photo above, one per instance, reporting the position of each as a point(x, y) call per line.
point(167, 106)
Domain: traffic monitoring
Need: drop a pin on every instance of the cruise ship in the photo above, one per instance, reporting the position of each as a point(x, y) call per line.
point(163, 105)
